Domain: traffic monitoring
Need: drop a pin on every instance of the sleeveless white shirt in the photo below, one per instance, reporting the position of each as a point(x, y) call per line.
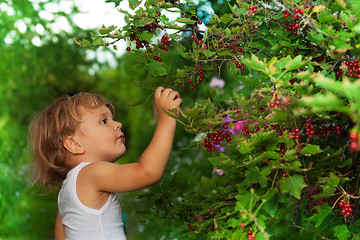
point(81, 222)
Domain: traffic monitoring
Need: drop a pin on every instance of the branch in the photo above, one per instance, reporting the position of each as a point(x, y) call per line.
point(309, 230)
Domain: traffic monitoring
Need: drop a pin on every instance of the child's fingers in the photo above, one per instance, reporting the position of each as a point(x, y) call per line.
point(174, 95)
point(178, 101)
point(158, 92)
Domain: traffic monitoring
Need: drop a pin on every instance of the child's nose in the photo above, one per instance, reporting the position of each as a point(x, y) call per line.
point(118, 126)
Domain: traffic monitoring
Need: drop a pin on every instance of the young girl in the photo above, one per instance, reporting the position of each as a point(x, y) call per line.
point(75, 143)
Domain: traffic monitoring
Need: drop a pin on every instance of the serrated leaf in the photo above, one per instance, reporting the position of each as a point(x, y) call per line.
point(141, 23)
point(244, 148)
point(134, 3)
point(255, 63)
point(208, 53)
point(272, 155)
point(226, 18)
point(341, 232)
point(145, 36)
point(293, 185)
point(180, 49)
point(105, 30)
point(325, 102)
point(98, 42)
point(295, 63)
point(310, 149)
point(323, 211)
point(253, 175)
point(157, 68)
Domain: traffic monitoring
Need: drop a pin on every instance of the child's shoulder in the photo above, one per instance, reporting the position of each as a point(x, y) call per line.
point(96, 169)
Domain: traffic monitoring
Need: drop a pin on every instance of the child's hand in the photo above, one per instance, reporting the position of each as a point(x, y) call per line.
point(165, 100)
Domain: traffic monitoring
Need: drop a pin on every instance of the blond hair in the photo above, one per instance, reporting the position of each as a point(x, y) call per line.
point(49, 128)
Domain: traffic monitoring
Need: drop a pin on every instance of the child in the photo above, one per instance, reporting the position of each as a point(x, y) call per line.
point(75, 143)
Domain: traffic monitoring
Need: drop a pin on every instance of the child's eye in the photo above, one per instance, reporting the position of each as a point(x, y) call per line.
point(103, 121)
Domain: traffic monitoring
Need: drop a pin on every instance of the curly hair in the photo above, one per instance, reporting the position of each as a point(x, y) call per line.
point(49, 128)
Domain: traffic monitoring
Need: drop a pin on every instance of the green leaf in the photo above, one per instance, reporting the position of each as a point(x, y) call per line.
point(180, 49)
point(141, 23)
point(105, 30)
point(310, 149)
point(323, 211)
point(342, 232)
point(244, 148)
point(157, 68)
point(208, 53)
point(272, 155)
point(145, 36)
point(98, 42)
point(295, 63)
point(253, 175)
point(293, 185)
point(325, 102)
point(255, 63)
point(134, 3)
point(226, 18)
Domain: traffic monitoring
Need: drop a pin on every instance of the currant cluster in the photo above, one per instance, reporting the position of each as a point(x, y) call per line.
point(191, 227)
point(346, 208)
point(292, 27)
point(353, 69)
point(250, 235)
point(354, 141)
point(157, 58)
point(216, 138)
point(297, 11)
point(253, 9)
point(139, 44)
point(151, 28)
point(166, 42)
point(201, 75)
point(245, 130)
point(283, 149)
point(310, 195)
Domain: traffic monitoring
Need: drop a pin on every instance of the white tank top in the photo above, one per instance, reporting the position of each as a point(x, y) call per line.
point(81, 222)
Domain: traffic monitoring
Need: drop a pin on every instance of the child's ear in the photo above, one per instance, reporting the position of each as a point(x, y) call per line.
point(73, 146)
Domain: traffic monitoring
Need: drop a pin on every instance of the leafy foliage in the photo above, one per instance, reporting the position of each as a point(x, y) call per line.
point(272, 123)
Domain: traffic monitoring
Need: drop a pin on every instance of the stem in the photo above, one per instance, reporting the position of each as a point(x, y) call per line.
point(309, 230)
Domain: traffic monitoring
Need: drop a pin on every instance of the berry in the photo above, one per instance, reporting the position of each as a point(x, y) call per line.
point(354, 146)
point(353, 136)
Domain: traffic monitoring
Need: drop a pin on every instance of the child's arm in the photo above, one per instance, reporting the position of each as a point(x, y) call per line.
point(109, 177)
point(59, 229)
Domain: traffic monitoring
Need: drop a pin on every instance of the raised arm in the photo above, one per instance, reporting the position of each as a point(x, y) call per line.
point(155, 157)
point(110, 177)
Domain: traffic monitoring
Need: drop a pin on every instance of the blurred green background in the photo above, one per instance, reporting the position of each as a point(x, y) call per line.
point(37, 64)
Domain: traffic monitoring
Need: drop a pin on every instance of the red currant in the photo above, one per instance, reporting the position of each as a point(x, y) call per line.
point(353, 136)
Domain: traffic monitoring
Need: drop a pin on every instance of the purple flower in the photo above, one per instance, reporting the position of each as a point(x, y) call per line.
point(215, 82)
point(237, 127)
point(218, 171)
point(220, 148)
point(228, 119)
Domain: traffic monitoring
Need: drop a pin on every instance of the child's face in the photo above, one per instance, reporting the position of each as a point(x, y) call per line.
point(100, 135)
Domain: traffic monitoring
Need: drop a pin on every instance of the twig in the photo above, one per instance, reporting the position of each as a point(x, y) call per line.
point(309, 230)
